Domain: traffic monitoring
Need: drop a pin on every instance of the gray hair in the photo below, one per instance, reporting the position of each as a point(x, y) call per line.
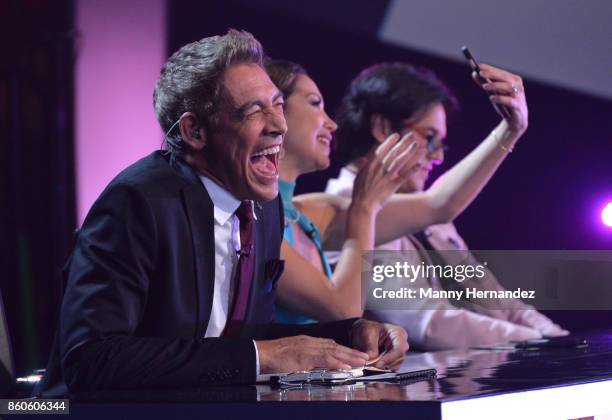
point(190, 80)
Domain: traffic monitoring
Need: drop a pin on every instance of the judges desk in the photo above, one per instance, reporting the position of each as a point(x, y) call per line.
point(471, 384)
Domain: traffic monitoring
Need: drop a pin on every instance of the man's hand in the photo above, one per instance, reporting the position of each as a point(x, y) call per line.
point(374, 337)
point(301, 352)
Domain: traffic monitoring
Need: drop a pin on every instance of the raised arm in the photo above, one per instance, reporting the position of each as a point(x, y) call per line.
point(306, 289)
point(459, 186)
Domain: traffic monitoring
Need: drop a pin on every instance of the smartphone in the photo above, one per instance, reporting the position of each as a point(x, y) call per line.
point(552, 343)
point(504, 111)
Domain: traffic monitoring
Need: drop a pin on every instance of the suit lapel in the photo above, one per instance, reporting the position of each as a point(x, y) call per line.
point(200, 213)
point(201, 219)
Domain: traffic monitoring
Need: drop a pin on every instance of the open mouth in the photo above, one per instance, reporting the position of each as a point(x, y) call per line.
point(265, 164)
point(324, 139)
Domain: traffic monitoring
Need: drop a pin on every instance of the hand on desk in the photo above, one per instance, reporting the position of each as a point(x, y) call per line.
point(291, 354)
point(374, 337)
point(536, 320)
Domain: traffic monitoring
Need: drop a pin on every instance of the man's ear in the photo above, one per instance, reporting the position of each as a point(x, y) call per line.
point(192, 133)
point(380, 127)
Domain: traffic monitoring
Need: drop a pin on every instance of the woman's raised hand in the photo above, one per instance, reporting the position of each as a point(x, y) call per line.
point(387, 170)
point(505, 88)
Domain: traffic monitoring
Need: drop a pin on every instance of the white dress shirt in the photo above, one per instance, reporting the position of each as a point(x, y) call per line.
point(227, 244)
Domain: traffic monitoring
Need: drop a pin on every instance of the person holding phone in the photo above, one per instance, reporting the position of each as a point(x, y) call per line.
point(398, 97)
point(306, 292)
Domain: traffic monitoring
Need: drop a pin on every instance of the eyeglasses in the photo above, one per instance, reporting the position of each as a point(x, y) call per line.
point(433, 145)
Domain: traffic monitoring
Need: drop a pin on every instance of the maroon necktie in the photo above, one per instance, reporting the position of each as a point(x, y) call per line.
point(244, 269)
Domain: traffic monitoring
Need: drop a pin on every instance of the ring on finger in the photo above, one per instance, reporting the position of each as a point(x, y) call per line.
point(515, 90)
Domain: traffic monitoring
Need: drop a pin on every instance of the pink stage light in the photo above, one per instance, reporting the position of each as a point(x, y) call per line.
point(606, 215)
point(123, 48)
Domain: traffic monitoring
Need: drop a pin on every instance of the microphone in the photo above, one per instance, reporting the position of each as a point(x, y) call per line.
point(245, 251)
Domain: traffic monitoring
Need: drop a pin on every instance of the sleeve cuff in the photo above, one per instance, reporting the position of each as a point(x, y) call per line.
point(256, 359)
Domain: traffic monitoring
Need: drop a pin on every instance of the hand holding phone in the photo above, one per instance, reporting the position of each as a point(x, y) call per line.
point(501, 109)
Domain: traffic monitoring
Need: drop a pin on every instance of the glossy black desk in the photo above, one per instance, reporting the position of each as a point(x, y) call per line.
point(471, 384)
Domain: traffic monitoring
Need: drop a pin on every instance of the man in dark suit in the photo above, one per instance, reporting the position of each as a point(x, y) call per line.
point(172, 279)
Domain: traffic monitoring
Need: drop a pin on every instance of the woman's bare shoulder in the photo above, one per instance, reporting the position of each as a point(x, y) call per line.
point(321, 201)
point(321, 208)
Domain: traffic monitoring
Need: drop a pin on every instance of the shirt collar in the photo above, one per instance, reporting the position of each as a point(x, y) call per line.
point(348, 174)
point(225, 204)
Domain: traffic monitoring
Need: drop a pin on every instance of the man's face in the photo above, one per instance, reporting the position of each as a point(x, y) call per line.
point(242, 149)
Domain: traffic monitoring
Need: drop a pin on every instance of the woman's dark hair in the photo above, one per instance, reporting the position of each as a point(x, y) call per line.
point(283, 74)
point(397, 91)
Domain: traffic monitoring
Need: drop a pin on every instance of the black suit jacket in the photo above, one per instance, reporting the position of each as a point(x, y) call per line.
point(140, 288)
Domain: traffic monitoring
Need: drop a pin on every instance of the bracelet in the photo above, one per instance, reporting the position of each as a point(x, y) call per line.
point(500, 145)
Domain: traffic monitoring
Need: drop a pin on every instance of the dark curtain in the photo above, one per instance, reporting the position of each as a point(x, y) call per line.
point(37, 211)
